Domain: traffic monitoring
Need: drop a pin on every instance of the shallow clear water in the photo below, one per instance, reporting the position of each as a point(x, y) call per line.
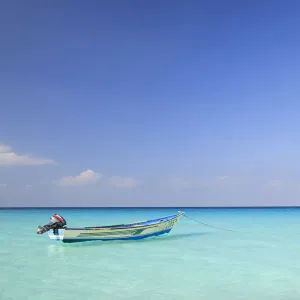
point(260, 261)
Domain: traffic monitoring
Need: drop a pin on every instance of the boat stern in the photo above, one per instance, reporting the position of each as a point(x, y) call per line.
point(58, 237)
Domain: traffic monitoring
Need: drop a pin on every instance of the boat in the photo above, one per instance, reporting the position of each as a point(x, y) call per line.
point(57, 230)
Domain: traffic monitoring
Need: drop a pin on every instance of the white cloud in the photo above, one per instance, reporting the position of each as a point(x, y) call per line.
point(3, 185)
point(84, 178)
point(221, 177)
point(8, 157)
point(4, 148)
point(28, 186)
point(123, 182)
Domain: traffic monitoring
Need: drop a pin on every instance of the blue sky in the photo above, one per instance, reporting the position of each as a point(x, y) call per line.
point(128, 103)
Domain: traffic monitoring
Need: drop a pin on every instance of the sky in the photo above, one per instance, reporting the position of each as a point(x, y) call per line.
point(149, 103)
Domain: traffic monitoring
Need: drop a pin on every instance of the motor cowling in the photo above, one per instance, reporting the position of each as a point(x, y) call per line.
point(56, 222)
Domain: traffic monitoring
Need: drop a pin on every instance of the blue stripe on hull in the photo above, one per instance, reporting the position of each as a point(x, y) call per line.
point(138, 237)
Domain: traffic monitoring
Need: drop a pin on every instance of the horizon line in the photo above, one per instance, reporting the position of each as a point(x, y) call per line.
point(144, 207)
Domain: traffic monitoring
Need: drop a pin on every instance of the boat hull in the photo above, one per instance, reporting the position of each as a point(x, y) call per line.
point(134, 231)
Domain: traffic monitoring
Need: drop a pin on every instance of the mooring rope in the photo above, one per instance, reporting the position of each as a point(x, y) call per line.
point(208, 224)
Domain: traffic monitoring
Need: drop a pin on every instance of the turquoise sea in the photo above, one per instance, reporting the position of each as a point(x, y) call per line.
point(259, 261)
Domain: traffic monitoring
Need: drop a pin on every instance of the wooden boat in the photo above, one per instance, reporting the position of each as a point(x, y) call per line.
point(57, 230)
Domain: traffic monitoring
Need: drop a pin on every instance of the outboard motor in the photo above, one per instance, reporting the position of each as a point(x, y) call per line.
point(56, 222)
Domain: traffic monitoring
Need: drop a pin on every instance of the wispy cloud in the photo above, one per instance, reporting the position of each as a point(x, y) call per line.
point(91, 177)
point(181, 182)
point(3, 185)
point(274, 183)
point(84, 178)
point(195, 182)
point(282, 184)
point(9, 158)
point(123, 182)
